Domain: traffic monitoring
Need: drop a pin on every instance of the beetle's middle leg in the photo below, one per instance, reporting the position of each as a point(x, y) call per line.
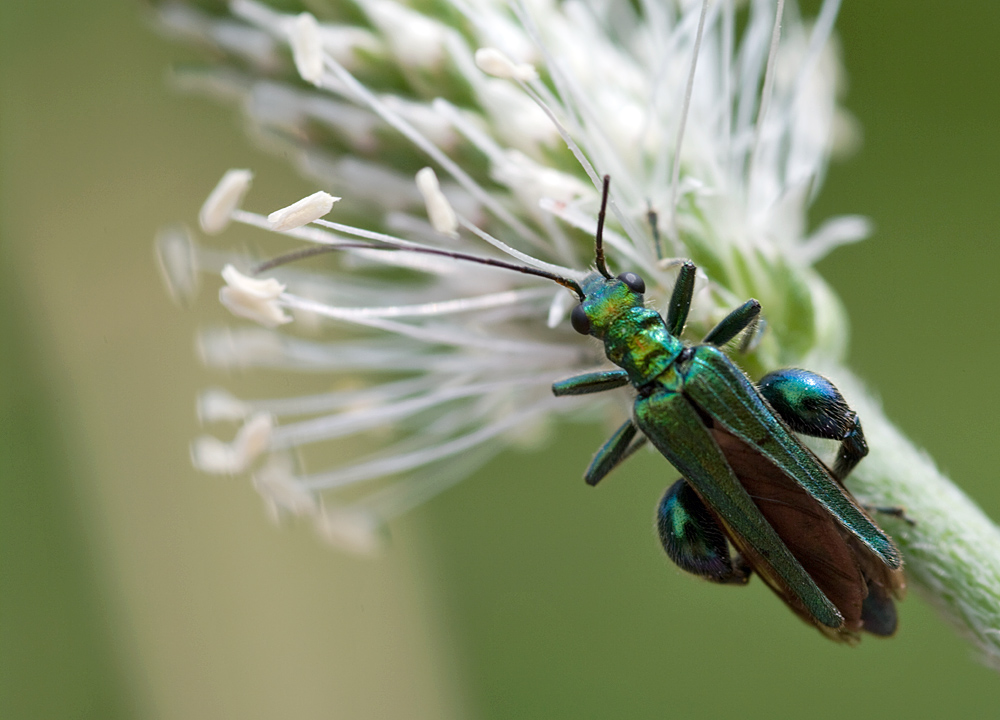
point(614, 452)
point(813, 406)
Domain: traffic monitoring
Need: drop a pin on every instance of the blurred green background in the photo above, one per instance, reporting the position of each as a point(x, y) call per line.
point(130, 586)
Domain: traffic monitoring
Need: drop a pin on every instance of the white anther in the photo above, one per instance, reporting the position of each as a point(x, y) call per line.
point(303, 212)
point(417, 40)
point(307, 47)
point(216, 404)
point(211, 455)
point(439, 210)
point(226, 197)
point(178, 263)
point(493, 62)
point(280, 490)
point(253, 298)
point(350, 529)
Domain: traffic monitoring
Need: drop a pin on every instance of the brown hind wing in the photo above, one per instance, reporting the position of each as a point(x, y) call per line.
point(852, 576)
point(878, 612)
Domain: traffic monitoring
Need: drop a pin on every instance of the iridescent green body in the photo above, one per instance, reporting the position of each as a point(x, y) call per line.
point(752, 498)
point(746, 477)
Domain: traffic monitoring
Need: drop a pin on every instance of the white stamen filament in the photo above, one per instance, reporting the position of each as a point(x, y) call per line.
point(447, 307)
point(408, 461)
point(767, 92)
point(214, 405)
point(435, 335)
point(350, 423)
point(453, 169)
point(685, 111)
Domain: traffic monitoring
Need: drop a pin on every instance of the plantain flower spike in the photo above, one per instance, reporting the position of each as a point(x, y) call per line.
point(486, 131)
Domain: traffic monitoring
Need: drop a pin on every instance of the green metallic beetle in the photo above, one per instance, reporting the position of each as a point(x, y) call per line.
point(748, 483)
point(752, 497)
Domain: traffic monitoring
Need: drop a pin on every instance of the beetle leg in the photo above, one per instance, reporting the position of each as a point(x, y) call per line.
point(894, 510)
point(811, 405)
point(751, 338)
point(733, 324)
point(852, 449)
point(614, 452)
point(680, 299)
point(590, 383)
point(654, 228)
point(692, 538)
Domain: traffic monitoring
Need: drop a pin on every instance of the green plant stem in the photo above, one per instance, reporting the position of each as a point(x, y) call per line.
point(952, 551)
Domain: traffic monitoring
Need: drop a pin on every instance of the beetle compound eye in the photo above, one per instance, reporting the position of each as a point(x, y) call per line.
point(579, 320)
point(635, 283)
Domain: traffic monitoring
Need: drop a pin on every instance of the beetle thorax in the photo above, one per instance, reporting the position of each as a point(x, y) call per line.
point(635, 337)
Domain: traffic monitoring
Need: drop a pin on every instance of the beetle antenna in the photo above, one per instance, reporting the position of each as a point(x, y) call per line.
point(654, 228)
point(311, 251)
point(602, 266)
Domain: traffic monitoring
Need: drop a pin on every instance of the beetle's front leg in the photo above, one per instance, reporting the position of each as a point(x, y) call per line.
point(614, 452)
point(692, 538)
point(680, 299)
point(810, 404)
point(590, 383)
